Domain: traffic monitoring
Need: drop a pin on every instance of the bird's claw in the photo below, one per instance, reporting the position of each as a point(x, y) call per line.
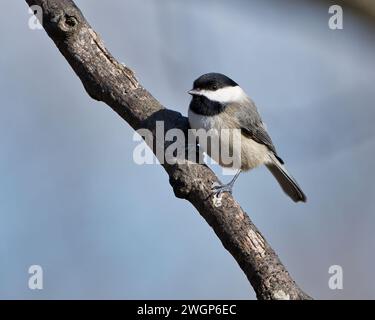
point(218, 189)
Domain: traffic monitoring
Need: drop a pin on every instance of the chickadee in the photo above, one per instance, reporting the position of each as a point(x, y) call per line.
point(219, 103)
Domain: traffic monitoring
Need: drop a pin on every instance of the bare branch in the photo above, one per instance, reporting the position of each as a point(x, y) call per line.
point(107, 80)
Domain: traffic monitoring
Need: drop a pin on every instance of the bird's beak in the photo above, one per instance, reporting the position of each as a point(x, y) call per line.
point(193, 92)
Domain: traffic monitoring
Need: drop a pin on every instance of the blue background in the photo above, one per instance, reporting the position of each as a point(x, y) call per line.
point(73, 201)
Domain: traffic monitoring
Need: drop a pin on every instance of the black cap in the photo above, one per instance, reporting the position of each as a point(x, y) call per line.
point(213, 81)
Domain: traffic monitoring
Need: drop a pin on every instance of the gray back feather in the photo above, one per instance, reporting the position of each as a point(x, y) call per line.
point(251, 123)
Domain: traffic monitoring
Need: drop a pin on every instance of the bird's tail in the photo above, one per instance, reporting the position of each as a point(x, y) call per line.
point(286, 181)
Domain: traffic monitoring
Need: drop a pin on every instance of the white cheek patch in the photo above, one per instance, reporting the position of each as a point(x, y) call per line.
point(225, 95)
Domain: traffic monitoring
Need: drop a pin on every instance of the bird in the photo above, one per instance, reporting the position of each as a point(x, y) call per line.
point(218, 103)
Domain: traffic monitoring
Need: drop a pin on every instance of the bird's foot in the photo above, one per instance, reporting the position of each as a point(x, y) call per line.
point(218, 189)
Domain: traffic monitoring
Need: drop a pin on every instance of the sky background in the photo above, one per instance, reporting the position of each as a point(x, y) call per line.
point(73, 201)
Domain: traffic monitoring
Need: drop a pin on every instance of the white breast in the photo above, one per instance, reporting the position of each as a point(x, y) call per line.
point(251, 153)
point(214, 142)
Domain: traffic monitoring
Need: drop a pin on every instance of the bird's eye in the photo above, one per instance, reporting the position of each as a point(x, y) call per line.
point(214, 87)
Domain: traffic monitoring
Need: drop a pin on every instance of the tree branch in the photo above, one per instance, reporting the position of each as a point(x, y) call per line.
point(107, 80)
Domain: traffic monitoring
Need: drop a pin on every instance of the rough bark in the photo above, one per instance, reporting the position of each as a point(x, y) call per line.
point(107, 80)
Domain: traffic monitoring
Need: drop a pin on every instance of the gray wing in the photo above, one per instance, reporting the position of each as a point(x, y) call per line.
point(252, 126)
